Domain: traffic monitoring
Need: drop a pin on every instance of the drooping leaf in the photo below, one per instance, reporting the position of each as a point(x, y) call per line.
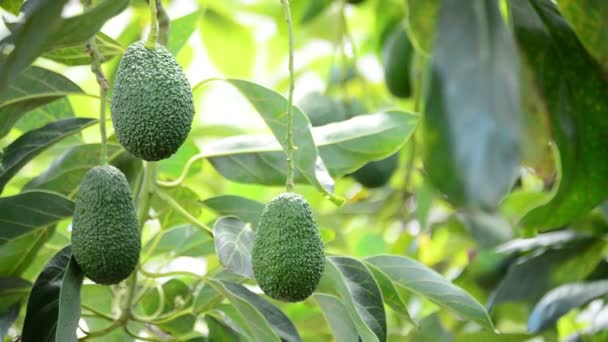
point(575, 94)
point(69, 303)
point(354, 285)
point(472, 111)
point(345, 146)
point(422, 18)
point(530, 277)
point(247, 210)
point(272, 107)
point(29, 145)
point(30, 211)
point(561, 300)
point(254, 324)
point(43, 305)
point(337, 316)
point(181, 30)
point(233, 243)
point(34, 87)
point(29, 39)
point(230, 45)
point(587, 18)
point(78, 29)
point(78, 54)
point(418, 278)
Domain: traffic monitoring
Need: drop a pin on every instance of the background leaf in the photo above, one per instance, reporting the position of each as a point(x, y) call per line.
point(247, 210)
point(233, 243)
point(181, 30)
point(69, 303)
point(78, 54)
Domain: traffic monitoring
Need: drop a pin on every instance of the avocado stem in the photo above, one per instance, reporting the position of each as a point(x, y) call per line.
point(153, 36)
point(289, 184)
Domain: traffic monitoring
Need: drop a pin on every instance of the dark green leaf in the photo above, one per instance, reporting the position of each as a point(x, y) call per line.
point(28, 39)
point(65, 173)
point(337, 315)
point(233, 243)
point(420, 279)
point(530, 277)
point(352, 282)
point(588, 19)
point(33, 88)
point(69, 303)
point(254, 323)
point(247, 210)
point(43, 305)
point(278, 321)
point(575, 93)
point(561, 300)
point(78, 54)
point(472, 111)
point(30, 211)
point(345, 146)
point(181, 30)
point(78, 29)
point(32, 143)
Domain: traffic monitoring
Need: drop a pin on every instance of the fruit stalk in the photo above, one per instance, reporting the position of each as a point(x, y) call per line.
point(289, 184)
point(153, 36)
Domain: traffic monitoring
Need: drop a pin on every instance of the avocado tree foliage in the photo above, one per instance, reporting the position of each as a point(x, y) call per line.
point(454, 155)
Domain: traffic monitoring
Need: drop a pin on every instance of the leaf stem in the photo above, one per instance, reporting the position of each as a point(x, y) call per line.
point(153, 36)
point(289, 184)
point(183, 212)
point(96, 60)
point(185, 172)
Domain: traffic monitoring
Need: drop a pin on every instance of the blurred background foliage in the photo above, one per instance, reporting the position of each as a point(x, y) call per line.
point(498, 178)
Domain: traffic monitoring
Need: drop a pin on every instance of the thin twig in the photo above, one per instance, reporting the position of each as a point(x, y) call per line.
point(289, 184)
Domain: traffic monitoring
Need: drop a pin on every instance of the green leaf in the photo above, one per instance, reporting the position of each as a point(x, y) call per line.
point(588, 19)
point(247, 210)
point(12, 291)
point(43, 305)
point(65, 173)
point(30, 211)
point(278, 321)
point(230, 46)
point(43, 115)
point(390, 293)
point(233, 243)
point(181, 30)
point(422, 18)
point(78, 54)
point(489, 336)
point(254, 323)
point(207, 299)
point(530, 277)
point(561, 300)
point(418, 278)
point(472, 111)
point(78, 29)
point(352, 282)
point(345, 146)
point(19, 253)
point(337, 315)
point(575, 93)
point(219, 331)
point(29, 145)
point(69, 303)
point(12, 6)
point(29, 39)
point(182, 240)
point(33, 88)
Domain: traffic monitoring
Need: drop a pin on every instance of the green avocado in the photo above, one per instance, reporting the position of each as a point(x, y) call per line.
point(355, 1)
point(152, 104)
point(377, 173)
point(105, 232)
point(397, 57)
point(287, 257)
point(321, 110)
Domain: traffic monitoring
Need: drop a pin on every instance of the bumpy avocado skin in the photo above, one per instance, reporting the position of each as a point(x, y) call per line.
point(105, 235)
point(377, 173)
point(152, 105)
point(287, 257)
point(397, 59)
point(321, 110)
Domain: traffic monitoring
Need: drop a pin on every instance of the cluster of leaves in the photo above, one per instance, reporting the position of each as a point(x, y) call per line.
point(498, 199)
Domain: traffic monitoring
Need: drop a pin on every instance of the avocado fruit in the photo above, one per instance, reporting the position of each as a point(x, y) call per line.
point(377, 173)
point(287, 257)
point(105, 231)
point(397, 55)
point(152, 103)
point(321, 110)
